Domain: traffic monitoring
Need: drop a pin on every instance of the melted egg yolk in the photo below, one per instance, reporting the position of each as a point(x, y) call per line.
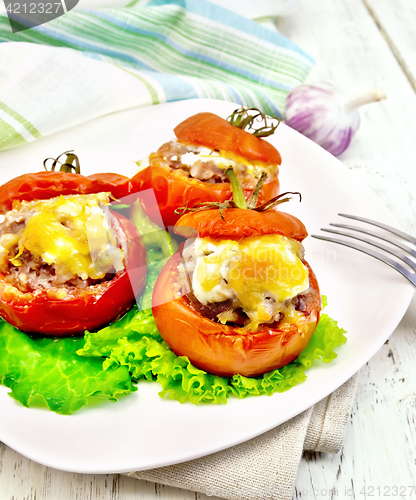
point(253, 271)
point(73, 234)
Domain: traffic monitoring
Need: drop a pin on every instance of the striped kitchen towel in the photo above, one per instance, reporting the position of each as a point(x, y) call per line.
point(88, 63)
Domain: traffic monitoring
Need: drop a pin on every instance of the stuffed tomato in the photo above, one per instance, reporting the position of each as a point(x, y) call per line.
point(240, 299)
point(190, 168)
point(66, 260)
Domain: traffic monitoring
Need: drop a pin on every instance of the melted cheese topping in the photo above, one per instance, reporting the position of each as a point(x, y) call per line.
point(261, 273)
point(71, 233)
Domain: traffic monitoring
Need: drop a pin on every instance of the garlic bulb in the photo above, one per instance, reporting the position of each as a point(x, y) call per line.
point(327, 116)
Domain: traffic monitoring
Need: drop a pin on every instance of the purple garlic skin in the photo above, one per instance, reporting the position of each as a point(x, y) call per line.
point(327, 116)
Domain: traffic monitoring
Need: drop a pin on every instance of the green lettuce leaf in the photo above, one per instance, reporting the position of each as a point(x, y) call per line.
point(158, 242)
point(153, 270)
point(327, 336)
point(50, 371)
point(146, 356)
point(152, 359)
point(132, 326)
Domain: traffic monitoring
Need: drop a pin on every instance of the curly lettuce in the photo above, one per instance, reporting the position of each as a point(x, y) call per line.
point(50, 372)
point(147, 356)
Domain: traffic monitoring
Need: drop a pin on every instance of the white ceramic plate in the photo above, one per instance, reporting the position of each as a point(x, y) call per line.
point(142, 431)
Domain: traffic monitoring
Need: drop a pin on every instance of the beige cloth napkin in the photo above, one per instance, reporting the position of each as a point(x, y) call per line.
point(266, 466)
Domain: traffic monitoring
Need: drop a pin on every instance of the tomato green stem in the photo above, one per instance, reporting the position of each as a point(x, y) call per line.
point(238, 195)
point(252, 201)
point(245, 119)
point(277, 200)
point(67, 166)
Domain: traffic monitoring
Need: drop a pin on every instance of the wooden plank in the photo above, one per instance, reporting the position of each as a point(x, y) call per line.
point(352, 53)
point(397, 20)
point(22, 479)
point(380, 442)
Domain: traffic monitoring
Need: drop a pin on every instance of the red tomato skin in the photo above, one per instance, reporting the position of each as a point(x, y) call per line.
point(212, 131)
point(116, 184)
point(45, 185)
point(89, 308)
point(240, 223)
point(221, 349)
point(173, 191)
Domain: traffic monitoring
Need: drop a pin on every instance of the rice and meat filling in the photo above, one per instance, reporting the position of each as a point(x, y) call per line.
point(251, 282)
point(65, 242)
point(209, 165)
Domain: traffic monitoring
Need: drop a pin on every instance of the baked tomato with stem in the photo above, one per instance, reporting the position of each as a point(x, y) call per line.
point(80, 304)
point(218, 335)
point(191, 169)
point(48, 184)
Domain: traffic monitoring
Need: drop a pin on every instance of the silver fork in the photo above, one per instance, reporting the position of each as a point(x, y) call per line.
point(403, 251)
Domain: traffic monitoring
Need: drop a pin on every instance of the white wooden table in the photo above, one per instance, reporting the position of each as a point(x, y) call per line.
point(357, 44)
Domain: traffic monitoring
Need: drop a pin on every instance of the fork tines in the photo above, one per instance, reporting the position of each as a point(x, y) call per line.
point(400, 250)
